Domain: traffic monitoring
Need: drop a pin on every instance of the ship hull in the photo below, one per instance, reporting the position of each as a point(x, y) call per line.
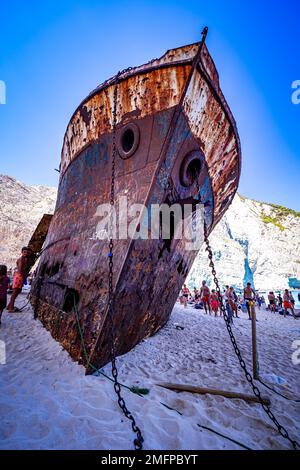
point(171, 138)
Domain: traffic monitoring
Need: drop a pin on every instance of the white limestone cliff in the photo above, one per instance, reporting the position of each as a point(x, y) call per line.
point(254, 241)
point(21, 209)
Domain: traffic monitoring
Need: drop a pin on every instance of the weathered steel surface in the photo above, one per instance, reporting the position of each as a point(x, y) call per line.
point(39, 236)
point(148, 274)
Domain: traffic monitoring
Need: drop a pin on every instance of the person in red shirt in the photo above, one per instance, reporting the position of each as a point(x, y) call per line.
point(4, 285)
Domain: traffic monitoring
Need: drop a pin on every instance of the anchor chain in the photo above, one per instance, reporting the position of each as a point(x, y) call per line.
point(281, 429)
point(138, 442)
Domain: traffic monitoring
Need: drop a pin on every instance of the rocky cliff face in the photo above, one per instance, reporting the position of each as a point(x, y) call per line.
point(254, 241)
point(21, 209)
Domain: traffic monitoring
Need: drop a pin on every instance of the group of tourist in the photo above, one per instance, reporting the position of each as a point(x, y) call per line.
point(210, 300)
point(287, 302)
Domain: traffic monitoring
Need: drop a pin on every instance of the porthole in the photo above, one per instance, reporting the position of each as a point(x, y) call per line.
point(190, 169)
point(128, 140)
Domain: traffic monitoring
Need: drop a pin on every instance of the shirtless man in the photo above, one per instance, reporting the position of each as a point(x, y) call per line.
point(287, 304)
point(249, 297)
point(24, 264)
point(232, 297)
point(226, 292)
point(205, 297)
point(272, 301)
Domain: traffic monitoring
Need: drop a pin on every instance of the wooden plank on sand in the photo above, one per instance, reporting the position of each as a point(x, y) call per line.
point(212, 391)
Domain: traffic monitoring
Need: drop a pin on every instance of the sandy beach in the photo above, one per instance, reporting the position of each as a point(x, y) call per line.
point(47, 401)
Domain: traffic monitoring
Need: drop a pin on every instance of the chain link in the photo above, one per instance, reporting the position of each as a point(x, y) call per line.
point(138, 442)
point(248, 376)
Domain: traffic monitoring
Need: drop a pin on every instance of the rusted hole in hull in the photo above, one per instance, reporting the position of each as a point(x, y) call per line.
point(168, 240)
point(43, 270)
point(190, 169)
point(71, 297)
point(180, 267)
point(54, 269)
point(193, 171)
point(128, 140)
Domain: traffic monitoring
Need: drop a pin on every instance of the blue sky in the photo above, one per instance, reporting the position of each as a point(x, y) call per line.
point(53, 53)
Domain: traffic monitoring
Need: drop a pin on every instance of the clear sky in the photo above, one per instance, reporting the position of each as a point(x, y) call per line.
point(53, 53)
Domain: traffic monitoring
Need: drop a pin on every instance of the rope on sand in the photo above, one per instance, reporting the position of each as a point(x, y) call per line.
point(277, 393)
point(209, 429)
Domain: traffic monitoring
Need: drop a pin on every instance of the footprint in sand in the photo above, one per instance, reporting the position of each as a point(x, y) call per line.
point(185, 407)
point(35, 428)
point(5, 409)
point(7, 430)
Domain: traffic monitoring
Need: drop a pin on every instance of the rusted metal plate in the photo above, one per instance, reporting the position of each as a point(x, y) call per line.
point(147, 274)
point(138, 96)
point(39, 236)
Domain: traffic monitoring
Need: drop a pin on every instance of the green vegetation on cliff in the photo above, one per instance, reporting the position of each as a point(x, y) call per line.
point(282, 211)
point(278, 214)
point(272, 220)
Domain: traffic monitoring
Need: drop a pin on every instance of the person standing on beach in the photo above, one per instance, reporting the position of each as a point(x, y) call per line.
point(229, 311)
point(214, 302)
point(196, 294)
point(24, 264)
point(232, 298)
point(205, 297)
point(185, 294)
point(4, 286)
point(287, 303)
point(279, 298)
point(292, 300)
point(272, 302)
point(227, 291)
point(258, 300)
point(249, 297)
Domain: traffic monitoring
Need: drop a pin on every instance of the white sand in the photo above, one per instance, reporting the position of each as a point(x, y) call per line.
point(47, 401)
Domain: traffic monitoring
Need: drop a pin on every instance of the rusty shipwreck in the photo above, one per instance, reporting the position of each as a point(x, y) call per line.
point(175, 139)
